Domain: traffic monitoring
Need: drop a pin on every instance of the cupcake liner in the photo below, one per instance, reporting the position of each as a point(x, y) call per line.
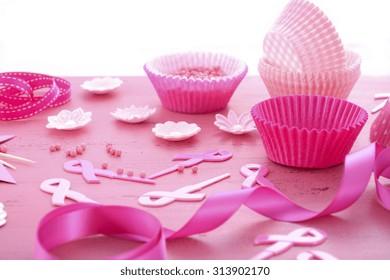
point(184, 94)
point(300, 14)
point(336, 83)
point(380, 128)
point(311, 37)
point(280, 52)
point(308, 130)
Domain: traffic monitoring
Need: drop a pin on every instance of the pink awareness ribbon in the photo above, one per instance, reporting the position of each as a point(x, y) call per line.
point(58, 226)
point(17, 94)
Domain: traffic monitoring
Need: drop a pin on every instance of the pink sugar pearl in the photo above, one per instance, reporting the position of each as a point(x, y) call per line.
point(79, 150)
point(73, 153)
point(201, 72)
point(180, 168)
point(118, 153)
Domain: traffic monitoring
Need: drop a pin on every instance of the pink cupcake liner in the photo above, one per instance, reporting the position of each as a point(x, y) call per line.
point(336, 83)
point(380, 128)
point(195, 95)
point(308, 131)
point(303, 33)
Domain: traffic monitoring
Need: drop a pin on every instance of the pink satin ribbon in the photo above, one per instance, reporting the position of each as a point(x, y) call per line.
point(80, 220)
point(17, 94)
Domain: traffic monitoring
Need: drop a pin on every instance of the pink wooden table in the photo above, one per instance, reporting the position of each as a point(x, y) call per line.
point(360, 232)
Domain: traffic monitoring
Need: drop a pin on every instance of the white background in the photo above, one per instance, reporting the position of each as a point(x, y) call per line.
point(116, 37)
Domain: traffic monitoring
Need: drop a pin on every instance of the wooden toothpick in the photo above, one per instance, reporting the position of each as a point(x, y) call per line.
point(9, 156)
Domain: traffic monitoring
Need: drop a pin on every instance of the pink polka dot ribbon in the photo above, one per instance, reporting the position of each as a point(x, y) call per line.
point(80, 220)
point(19, 98)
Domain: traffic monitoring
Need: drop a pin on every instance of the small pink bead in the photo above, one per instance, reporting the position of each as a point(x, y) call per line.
point(112, 151)
point(108, 149)
point(105, 165)
point(83, 146)
point(142, 174)
point(194, 169)
point(52, 148)
point(57, 147)
point(130, 173)
point(67, 152)
point(79, 150)
point(73, 153)
point(118, 153)
point(180, 168)
point(120, 171)
point(3, 148)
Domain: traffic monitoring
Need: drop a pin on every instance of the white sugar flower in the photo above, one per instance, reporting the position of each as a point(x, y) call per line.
point(102, 85)
point(69, 120)
point(234, 124)
point(133, 114)
point(175, 131)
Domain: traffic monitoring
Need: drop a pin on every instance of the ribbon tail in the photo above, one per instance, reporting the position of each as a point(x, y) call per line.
point(4, 138)
point(358, 168)
point(5, 176)
point(273, 204)
point(215, 211)
point(357, 172)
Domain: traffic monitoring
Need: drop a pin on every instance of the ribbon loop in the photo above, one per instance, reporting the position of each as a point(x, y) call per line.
point(83, 167)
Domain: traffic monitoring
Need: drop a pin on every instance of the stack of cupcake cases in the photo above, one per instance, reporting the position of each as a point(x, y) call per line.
point(303, 54)
point(307, 122)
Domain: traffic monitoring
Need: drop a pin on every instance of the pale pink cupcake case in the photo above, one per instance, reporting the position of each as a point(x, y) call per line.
point(303, 34)
point(336, 83)
point(303, 54)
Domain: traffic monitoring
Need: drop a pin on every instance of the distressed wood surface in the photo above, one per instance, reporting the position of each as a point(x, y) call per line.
point(360, 232)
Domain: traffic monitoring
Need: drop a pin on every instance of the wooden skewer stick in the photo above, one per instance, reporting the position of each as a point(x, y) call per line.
point(7, 164)
point(379, 107)
point(381, 95)
point(3, 155)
